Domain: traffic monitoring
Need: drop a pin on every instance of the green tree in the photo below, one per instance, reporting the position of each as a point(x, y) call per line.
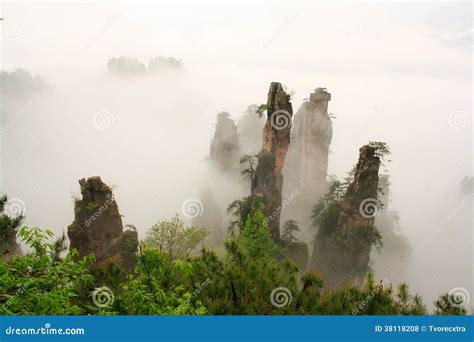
point(157, 286)
point(248, 172)
point(449, 304)
point(254, 266)
point(174, 238)
point(289, 228)
point(42, 283)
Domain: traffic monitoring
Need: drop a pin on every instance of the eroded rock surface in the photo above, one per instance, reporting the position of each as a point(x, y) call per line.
point(306, 166)
point(97, 228)
point(225, 151)
point(268, 179)
point(342, 252)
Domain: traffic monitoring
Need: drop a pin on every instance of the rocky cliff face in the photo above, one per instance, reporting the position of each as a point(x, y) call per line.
point(11, 217)
point(224, 165)
point(225, 151)
point(342, 252)
point(307, 162)
point(9, 245)
point(310, 140)
point(97, 228)
point(268, 179)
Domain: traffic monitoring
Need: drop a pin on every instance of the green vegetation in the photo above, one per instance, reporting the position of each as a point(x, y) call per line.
point(289, 228)
point(8, 228)
point(253, 276)
point(163, 283)
point(174, 238)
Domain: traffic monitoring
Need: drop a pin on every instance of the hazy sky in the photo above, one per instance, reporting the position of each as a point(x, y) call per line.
point(399, 73)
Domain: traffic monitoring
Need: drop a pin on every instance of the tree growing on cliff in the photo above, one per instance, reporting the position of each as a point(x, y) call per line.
point(289, 228)
point(249, 165)
point(344, 220)
point(240, 209)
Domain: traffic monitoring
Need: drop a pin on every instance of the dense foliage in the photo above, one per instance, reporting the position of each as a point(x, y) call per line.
point(245, 281)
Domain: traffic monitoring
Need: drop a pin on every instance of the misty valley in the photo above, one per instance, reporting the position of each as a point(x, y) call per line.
point(296, 241)
point(253, 159)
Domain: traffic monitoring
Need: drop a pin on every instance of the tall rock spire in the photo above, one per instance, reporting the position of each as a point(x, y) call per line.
point(97, 228)
point(225, 151)
point(342, 250)
point(307, 163)
point(268, 179)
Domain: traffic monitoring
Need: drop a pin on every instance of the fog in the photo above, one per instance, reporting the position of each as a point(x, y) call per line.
point(398, 73)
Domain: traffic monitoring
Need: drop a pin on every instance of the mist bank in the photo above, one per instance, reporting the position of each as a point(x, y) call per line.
point(149, 134)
